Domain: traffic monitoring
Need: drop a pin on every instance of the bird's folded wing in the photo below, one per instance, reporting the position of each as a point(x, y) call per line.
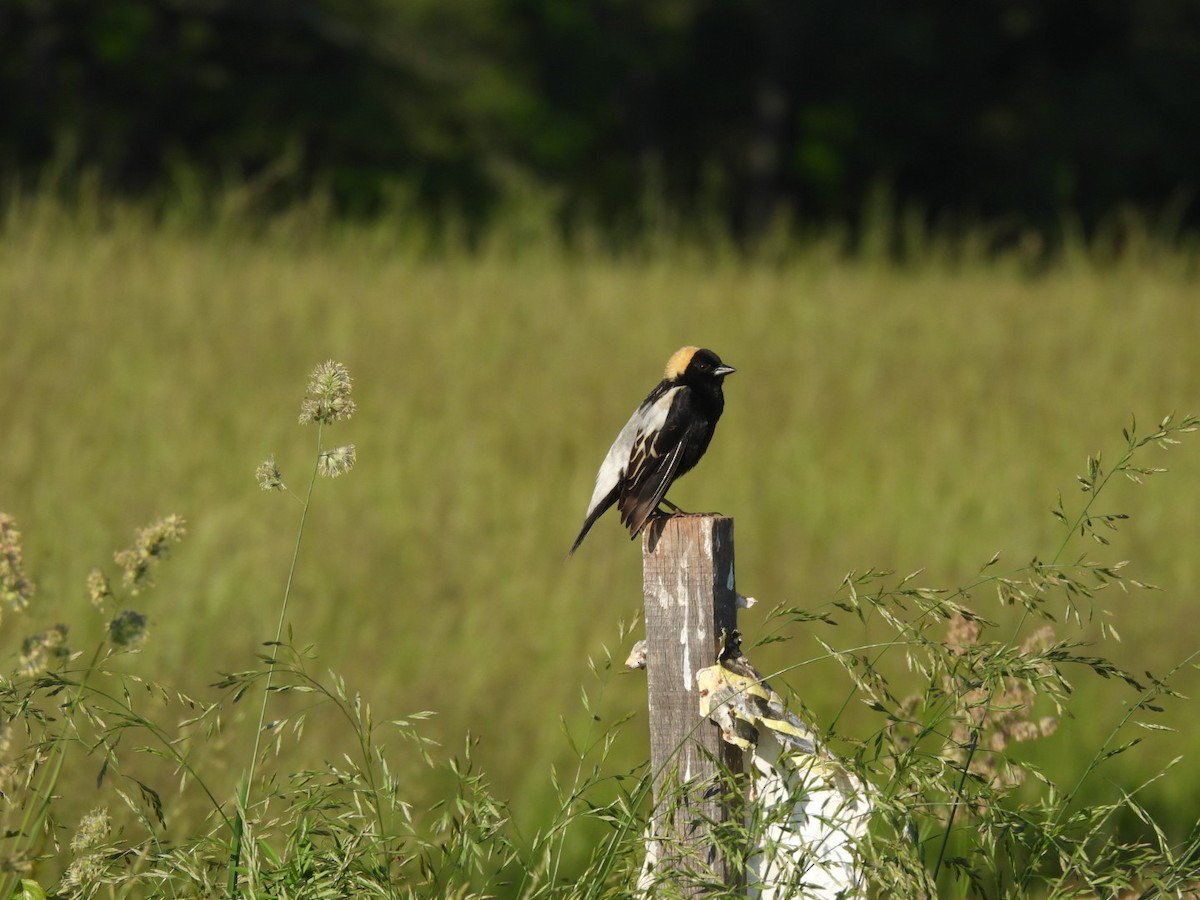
point(650, 474)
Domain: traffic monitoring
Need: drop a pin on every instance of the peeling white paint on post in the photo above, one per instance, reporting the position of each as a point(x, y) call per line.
point(690, 601)
point(685, 669)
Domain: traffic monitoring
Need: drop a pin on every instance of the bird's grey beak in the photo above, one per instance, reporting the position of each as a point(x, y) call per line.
point(721, 371)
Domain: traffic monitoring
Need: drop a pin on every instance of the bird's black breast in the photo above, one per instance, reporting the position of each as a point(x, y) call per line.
point(691, 422)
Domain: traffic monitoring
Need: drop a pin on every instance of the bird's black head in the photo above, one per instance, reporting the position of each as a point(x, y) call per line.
point(694, 365)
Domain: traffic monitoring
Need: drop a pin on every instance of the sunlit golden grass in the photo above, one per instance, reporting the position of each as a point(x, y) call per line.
point(896, 416)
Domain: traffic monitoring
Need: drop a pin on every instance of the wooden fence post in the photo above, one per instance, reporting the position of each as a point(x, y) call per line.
point(687, 577)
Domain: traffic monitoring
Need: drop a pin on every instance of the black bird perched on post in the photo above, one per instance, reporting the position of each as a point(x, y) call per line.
point(663, 439)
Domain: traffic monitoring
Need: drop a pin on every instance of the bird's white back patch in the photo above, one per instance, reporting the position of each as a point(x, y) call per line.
point(646, 421)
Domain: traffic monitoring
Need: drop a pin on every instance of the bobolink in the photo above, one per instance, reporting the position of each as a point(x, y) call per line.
point(665, 438)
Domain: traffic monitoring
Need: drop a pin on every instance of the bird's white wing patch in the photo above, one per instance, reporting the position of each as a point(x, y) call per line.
point(648, 419)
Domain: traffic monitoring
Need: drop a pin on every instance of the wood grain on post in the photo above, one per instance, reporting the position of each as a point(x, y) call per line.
point(687, 576)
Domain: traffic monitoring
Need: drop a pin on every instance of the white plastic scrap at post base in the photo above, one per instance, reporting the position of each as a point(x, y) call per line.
point(805, 812)
point(807, 815)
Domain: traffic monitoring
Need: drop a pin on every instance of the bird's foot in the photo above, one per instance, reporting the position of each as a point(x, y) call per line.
point(676, 511)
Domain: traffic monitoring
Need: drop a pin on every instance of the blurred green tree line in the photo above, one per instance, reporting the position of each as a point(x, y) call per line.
point(1010, 110)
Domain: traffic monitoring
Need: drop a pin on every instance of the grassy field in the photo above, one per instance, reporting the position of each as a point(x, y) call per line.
point(897, 416)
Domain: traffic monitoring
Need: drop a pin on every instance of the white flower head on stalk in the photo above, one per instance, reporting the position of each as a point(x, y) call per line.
point(270, 477)
point(15, 588)
point(328, 399)
point(338, 461)
point(151, 545)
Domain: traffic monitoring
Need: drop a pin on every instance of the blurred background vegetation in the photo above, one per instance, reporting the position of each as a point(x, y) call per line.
point(1010, 111)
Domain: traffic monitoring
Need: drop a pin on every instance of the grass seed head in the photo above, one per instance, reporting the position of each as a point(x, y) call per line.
point(128, 629)
point(328, 399)
point(269, 475)
point(93, 830)
point(338, 461)
point(40, 651)
point(15, 588)
point(99, 590)
point(151, 545)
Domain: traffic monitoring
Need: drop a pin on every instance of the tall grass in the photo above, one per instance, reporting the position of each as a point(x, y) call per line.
point(890, 415)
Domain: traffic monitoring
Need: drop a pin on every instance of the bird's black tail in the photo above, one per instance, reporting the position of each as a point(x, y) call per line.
point(587, 526)
point(592, 516)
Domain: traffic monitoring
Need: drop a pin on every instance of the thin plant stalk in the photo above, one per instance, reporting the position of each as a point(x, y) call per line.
point(239, 824)
point(958, 797)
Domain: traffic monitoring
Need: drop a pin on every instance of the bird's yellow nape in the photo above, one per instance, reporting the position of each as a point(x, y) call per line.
point(678, 362)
